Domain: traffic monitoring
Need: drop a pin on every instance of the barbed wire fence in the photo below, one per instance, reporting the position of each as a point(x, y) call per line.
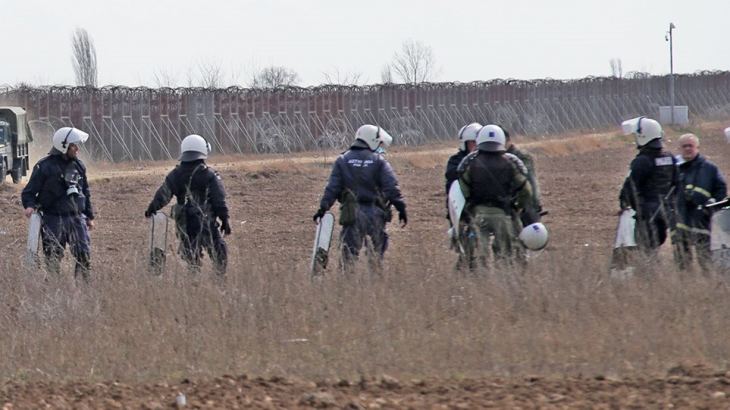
point(148, 124)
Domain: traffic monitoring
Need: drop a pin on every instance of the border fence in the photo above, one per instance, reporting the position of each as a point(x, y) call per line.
point(148, 124)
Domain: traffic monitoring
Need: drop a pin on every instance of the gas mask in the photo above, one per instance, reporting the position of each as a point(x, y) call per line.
point(72, 178)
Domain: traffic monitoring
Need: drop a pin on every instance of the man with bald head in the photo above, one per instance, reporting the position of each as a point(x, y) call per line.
point(700, 183)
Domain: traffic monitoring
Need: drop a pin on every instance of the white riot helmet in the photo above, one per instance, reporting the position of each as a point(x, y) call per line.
point(727, 134)
point(644, 129)
point(534, 236)
point(468, 133)
point(65, 136)
point(194, 147)
point(373, 136)
point(491, 138)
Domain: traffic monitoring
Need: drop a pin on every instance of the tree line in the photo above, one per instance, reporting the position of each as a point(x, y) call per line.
point(413, 63)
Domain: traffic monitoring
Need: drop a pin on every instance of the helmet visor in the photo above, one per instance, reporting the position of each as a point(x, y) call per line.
point(630, 126)
point(385, 138)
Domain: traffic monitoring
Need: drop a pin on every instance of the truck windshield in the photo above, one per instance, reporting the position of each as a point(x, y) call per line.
point(3, 135)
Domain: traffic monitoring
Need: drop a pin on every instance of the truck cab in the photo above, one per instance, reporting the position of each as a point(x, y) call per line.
point(15, 136)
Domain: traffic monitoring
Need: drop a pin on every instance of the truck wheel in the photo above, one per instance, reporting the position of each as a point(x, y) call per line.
point(15, 175)
point(3, 172)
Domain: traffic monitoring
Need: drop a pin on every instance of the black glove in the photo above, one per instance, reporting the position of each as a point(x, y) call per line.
point(403, 217)
point(225, 227)
point(149, 212)
point(320, 213)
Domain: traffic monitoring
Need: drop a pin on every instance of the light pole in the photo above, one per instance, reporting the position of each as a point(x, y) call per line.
point(671, 71)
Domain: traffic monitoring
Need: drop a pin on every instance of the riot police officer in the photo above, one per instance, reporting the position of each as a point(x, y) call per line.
point(59, 190)
point(496, 189)
point(365, 185)
point(650, 187)
point(465, 243)
point(201, 199)
point(467, 144)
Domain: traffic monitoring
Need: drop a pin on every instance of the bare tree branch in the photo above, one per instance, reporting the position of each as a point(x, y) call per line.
point(637, 75)
point(342, 77)
point(164, 78)
point(84, 58)
point(210, 75)
point(386, 75)
point(616, 68)
point(274, 76)
point(414, 63)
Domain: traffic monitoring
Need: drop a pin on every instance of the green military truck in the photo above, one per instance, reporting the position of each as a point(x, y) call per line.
point(15, 136)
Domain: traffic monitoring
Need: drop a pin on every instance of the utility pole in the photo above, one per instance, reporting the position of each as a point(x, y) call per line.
point(671, 70)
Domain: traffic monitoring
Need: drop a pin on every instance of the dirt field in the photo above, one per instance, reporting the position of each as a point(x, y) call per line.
point(564, 334)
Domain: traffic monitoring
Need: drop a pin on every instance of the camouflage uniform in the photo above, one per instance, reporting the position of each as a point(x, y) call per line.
point(532, 210)
point(496, 188)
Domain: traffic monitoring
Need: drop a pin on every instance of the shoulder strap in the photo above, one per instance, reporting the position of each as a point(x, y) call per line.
point(464, 164)
point(188, 194)
point(517, 162)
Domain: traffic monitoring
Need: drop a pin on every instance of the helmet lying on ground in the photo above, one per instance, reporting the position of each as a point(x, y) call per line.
point(63, 137)
point(534, 236)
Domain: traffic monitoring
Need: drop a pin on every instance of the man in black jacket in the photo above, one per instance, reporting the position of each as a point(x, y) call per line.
point(59, 190)
point(467, 144)
point(363, 182)
point(701, 183)
point(201, 199)
point(651, 186)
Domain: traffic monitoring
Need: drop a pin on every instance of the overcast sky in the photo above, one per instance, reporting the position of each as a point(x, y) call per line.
point(471, 39)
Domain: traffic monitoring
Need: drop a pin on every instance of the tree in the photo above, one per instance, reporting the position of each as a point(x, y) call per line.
point(164, 78)
point(616, 68)
point(211, 75)
point(342, 77)
point(637, 75)
point(414, 63)
point(274, 76)
point(84, 58)
point(386, 74)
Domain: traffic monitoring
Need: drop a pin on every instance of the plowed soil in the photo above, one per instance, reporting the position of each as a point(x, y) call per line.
point(272, 201)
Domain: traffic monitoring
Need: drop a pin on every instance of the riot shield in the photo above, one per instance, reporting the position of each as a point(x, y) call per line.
point(158, 242)
point(322, 241)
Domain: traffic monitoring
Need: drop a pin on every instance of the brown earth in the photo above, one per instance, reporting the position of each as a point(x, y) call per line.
point(569, 338)
point(694, 387)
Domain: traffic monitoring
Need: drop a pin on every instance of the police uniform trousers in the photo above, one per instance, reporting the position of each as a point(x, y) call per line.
point(369, 222)
point(493, 221)
point(203, 233)
point(60, 230)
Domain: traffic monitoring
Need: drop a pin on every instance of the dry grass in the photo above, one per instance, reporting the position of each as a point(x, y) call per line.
point(562, 317)
point(420, 318)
